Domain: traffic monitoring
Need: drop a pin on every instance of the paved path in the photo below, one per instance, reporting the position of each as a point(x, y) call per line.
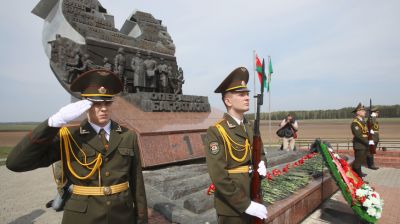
point(386, 182)
point(23, 197)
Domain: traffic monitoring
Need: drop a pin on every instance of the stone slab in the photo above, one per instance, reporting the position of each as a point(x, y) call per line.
point(166, 137)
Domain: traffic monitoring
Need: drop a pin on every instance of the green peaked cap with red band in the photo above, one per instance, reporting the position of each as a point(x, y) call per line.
point(97, 85)
point(236, 81)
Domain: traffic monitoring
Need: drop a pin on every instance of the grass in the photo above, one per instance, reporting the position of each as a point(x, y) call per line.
point(17, 126)
point(4, 151)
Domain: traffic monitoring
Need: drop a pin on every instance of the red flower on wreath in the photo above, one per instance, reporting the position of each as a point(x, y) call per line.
point(285, 170)
point(295, 164)
point(301, 161)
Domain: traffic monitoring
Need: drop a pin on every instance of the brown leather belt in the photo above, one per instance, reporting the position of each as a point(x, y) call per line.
point(100, 191)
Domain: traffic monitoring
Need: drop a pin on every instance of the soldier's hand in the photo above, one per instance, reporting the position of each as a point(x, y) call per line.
point(69, 113)
point(257, 210)
point(372, 132)
point(262, 170)
point(371, 142)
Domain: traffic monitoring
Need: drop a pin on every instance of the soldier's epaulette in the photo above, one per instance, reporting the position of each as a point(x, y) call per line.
point(219, 122)
point(70, 125)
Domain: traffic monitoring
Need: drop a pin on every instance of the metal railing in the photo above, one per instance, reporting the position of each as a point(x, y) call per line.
point(347, 143)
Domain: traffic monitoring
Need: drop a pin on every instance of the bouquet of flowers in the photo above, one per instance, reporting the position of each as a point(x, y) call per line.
point(364, 200)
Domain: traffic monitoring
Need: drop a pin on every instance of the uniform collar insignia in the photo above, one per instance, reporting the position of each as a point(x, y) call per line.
point(119, 129)
point(230, 125)
point(83, 131)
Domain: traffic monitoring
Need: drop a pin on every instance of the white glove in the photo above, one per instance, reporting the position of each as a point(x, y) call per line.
point(69, 113)
point(262, 170)
point(371, 142)
point(257, 210)
point(372, 132)
point(373, 114)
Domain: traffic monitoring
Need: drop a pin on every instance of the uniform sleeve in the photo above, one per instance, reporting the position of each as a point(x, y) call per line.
point(138, 189)
point(40, 148)
point(375, 127)
point(216, 163)
point(357, 133)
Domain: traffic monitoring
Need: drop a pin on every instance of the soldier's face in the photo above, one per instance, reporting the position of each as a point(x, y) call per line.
point(361, 113)
point(100, 113)
point(238, 101)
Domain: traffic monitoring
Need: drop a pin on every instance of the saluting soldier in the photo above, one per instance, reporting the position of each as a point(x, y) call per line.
point(99, 157)
point(375, 137)
point(361, 144)
point(228, 154)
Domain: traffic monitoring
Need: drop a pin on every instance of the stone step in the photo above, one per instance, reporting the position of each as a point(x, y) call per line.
point(157, 178)
point(199, 202)
point(178, 188)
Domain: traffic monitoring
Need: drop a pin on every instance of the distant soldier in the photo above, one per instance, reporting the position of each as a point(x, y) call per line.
point(361, 144)
point(100, 158)
point(375, 136)
point(119, 66)
point(228, 154)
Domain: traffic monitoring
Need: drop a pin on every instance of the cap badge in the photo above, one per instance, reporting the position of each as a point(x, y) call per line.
point(102, 90)
point(103, 73)
point(243, 69)
point(243, 83)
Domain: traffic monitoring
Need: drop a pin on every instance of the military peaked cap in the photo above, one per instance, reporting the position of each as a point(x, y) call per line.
point(359, 107)
point(375, 109)
point(97, 85)
point(236, 81)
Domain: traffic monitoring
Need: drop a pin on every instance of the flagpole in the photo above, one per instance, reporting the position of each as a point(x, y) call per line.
point(254, 79)
point(269, 101)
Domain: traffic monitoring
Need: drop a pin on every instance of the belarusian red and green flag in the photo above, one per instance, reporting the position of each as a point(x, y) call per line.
point(261, 75)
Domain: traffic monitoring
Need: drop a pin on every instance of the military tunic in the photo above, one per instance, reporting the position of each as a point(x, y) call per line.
point(375, 128)
point(120, 163)
point(360, 142)
point(232, 194)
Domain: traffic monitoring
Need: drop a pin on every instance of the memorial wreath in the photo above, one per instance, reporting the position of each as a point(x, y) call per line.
point(362, 198)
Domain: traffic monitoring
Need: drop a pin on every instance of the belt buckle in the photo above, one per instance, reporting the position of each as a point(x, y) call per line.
point(107, 191)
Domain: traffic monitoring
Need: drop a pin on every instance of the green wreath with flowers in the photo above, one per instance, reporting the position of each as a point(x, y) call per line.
point(363, 199)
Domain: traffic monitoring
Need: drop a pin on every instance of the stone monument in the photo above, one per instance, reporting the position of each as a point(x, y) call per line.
point(80, 35)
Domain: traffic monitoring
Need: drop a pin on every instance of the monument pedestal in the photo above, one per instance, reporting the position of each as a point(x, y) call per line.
point(165, 137)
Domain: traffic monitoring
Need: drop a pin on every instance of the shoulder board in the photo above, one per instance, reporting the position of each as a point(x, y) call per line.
point(219, 122)
point(71, 125)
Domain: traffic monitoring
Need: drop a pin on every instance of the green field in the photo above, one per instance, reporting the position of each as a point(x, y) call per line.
point(17, 126)
point(4, 151)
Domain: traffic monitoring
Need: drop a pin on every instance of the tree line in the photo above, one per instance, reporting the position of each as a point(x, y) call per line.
point(388, 111)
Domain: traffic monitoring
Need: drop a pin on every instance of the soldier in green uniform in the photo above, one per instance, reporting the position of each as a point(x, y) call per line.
point(375, 135)
point(228, 154)
point(99, 157)
point(360, 138)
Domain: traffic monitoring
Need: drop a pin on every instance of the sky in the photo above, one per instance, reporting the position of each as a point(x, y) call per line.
point(325, 54)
